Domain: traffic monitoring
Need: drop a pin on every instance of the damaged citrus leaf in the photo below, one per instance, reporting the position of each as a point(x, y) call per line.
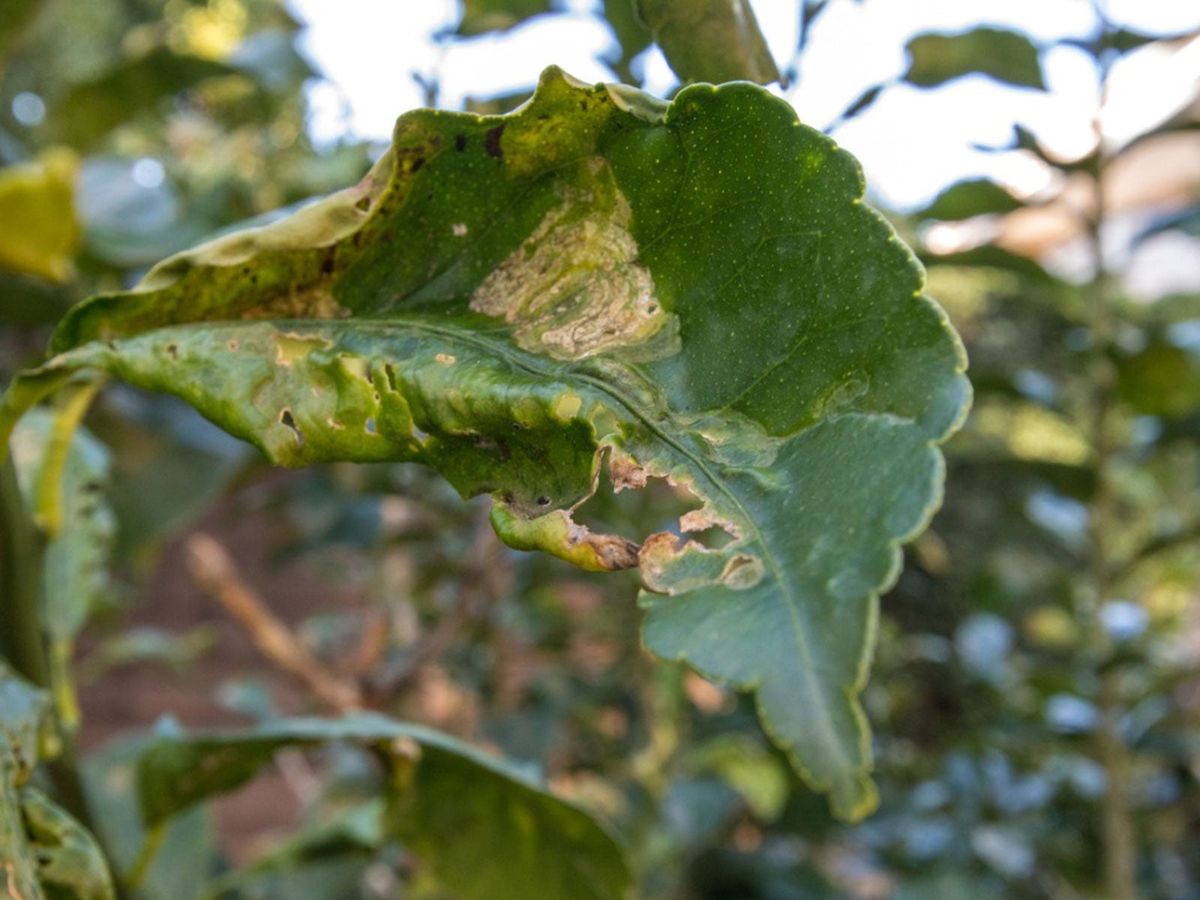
point(692, 292)
point(44, 851)
point(447, 801)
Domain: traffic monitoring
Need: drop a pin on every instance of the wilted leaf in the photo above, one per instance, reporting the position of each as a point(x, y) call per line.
point(38, 231)
point(996, 52)
point(486, 830)
point(965, 199)
point(692, 292)
point(710, 40)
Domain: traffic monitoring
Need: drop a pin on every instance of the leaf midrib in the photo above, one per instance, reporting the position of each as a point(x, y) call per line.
point(524, 362)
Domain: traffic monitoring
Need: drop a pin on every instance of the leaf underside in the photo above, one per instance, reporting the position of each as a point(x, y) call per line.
point(692, 291)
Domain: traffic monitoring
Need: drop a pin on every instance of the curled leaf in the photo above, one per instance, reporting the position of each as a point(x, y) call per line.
point(692, 292)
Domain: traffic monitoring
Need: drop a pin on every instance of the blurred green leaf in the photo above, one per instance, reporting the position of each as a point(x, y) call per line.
point(1007, 56)
point(993, 257)
point(966, 199)
point(486, 830)
point(1124, 40)
point(710, 40)
point(749, 768)
point(16, 17)
point(141, 645)
point(92, 109)
point(77, 552)
point(186, 859)
point(483, 16)
point(631, 34)
point(1160, 380)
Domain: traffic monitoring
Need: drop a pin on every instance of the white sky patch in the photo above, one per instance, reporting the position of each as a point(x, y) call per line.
point(912, 142)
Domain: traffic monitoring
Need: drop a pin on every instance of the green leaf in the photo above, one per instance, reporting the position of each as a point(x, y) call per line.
point(692, 292)
point(483, 16)
point(631, 33)
point(966, 199)
point(1160, 380)
point(75, 580)
point(710, 40)
point(70, 863)
point(44, 852)
point(92, 109)
point(1004, 55)
point(38, 230)
point(485, 829)
point(186, 858)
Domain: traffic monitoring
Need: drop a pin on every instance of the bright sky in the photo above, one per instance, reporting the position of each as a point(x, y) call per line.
point(912, 143)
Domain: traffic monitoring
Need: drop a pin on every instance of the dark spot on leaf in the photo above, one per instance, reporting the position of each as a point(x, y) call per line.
point(417, 163)
point(460, 142)
point(364, 204)
point(327, 260)
point(543, 501)
point(491, 141)
point(390, 373)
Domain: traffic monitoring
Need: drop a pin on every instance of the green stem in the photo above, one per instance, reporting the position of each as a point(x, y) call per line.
point(20, 583)
point(1118, 835)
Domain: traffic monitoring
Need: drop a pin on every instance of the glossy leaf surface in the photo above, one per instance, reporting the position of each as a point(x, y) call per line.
point(693, 292)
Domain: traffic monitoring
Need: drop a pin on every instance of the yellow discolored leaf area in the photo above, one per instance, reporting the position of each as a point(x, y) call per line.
point(39, 233)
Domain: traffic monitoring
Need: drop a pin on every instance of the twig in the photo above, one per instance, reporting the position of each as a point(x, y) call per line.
point(480, 582)
point(213, 570)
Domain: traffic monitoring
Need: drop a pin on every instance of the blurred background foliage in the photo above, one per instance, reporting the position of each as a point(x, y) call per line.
point(1036, 689)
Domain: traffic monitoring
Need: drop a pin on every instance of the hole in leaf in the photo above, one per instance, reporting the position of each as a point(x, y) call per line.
point(286, 419)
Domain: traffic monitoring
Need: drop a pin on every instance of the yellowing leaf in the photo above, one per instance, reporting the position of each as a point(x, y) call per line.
point(39, 233)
